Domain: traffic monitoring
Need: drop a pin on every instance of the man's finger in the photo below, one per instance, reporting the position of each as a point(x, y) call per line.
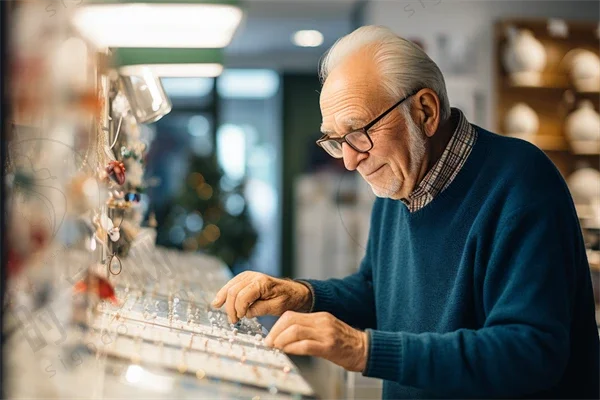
point(295, 333)
point(232, 293)
point(288, 318)
point(246, 297)
point(221, 295)
point(307, 348)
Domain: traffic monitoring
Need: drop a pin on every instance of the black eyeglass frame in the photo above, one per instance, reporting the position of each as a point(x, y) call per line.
point(363, 130)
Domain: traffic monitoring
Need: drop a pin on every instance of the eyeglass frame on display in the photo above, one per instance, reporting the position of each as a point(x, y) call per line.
point(363, 130)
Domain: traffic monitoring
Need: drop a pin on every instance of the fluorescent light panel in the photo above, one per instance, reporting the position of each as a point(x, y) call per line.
point(158, 25)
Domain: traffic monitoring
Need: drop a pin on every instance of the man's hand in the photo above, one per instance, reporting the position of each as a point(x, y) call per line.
point(320, 335)
point(251, 294)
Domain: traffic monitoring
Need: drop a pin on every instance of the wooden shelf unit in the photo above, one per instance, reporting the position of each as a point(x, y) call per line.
point(555, 97)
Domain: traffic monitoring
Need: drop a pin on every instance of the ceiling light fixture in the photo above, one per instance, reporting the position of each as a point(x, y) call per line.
point(158, 23)
point(308, 38)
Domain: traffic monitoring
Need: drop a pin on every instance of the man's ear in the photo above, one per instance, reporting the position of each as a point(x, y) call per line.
point(426, 105)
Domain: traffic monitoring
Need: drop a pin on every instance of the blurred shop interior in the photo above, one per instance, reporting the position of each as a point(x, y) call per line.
point(151, 153)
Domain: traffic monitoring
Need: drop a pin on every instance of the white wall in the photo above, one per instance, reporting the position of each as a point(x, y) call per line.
point(471, 21)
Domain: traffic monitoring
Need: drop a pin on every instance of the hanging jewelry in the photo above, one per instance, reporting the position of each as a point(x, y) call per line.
point(116, 171)
point(114, 271)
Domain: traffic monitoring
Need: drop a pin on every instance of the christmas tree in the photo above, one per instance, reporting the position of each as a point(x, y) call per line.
point(210, 216)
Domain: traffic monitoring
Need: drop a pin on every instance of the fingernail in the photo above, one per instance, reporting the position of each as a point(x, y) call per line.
point(268, 341)
point(215, 301)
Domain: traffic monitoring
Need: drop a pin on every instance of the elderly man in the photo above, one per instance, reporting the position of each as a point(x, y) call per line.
point(475, 281)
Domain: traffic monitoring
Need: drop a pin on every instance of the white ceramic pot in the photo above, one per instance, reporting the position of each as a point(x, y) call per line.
point(585, 185)
point(583, 123)
point(521, 120)
point(584, 71)
point(524, 57)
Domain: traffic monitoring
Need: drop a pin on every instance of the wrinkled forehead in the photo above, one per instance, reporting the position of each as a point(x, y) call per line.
point(349, 102)
point(355, 82)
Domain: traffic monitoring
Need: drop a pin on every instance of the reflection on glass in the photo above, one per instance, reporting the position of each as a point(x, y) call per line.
point(146, 96)
point(134, 373)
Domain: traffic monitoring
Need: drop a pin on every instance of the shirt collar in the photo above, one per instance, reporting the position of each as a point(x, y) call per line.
point(447, 167)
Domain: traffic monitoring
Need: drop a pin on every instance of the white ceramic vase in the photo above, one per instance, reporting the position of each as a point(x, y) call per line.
point(524, 57)
point(582, 128)
point(584, 70)
point(521, 120)
point(584, 185)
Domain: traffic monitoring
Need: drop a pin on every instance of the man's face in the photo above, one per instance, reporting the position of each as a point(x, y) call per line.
point(351, 98)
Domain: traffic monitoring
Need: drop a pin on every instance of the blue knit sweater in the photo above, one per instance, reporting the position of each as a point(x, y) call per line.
point(485, 292)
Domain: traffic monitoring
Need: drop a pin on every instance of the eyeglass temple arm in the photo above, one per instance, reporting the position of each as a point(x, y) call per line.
point(386, 112)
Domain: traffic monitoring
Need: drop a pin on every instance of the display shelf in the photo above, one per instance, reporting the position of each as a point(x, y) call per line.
point(201, 364)
point(550, 82)
point(556, 96)
point(168, 325)
point(162, 339)
point(585, 147)
point(126, 381)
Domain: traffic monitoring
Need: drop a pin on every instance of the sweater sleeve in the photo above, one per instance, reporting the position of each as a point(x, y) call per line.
point(527, 294)
point(350, 299)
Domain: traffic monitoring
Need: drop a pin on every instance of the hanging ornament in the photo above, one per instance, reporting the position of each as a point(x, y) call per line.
point(115, 266)
point(132, 197)
point(116, 171)
point(114, 233)
point(98, 286)
point(117, 194)
point(127, 153)
point(105, 227)
point(120, 106)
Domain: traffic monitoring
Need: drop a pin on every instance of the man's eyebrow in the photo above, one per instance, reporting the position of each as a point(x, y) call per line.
point(354, 123)
point(350, 124)
point(327, 132)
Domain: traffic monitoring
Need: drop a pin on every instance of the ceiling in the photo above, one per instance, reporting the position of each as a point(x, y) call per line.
point(263, 38)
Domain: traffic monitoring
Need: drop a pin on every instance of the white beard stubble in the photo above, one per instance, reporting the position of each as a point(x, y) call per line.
point(417, 152)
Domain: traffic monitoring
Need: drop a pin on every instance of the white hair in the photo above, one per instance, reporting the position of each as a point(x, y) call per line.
point(404, 67)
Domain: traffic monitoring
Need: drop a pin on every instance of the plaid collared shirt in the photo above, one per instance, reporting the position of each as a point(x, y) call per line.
point(447, 167)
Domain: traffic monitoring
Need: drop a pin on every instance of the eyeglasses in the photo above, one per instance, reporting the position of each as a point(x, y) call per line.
point(359, 139)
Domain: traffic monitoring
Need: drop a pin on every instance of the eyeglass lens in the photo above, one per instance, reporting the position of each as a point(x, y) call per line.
point(357, 140)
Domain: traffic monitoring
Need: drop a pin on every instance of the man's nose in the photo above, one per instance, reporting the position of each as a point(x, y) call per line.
point(352, 157)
